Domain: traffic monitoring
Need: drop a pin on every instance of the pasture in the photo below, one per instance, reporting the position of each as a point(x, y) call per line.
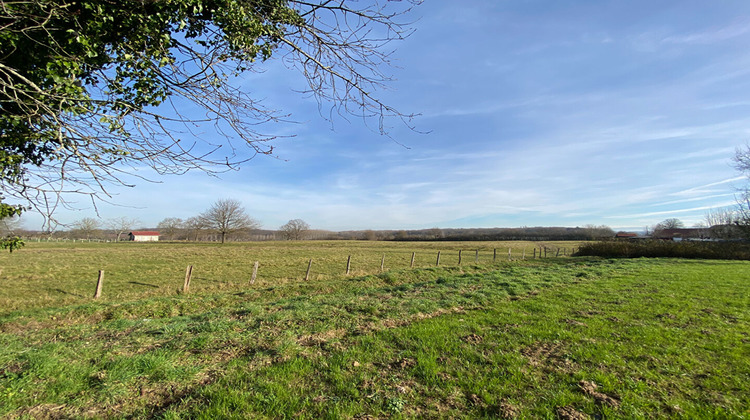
point(53, 274)
point(553, 338)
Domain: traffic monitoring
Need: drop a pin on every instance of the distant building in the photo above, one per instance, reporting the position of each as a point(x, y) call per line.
point(143, 236)
point(695, 234)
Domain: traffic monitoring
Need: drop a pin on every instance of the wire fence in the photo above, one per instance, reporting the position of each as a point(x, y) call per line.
point(274, 271)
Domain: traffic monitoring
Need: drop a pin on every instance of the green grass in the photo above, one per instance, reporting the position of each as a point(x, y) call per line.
point(536, 339)
point(55, 274)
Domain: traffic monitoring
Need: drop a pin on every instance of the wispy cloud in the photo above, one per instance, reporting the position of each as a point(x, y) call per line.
point(712, 35)
point(538, 115)
point(672, 212)
point(703, 189)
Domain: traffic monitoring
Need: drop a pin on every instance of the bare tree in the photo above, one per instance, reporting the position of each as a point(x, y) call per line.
point(742, 160)
point(170, 226)
point(194, 227)
point(294, 229)
point(368, 235)
point(598, 232)
point(86, 227)
point(121, 225)
point(111, 93)
point(435, 233)
point(671, 223)
point(226, 217)
point(742, 164)
point(720, 216)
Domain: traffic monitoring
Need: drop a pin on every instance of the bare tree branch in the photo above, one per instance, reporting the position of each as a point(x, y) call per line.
point(100, 100)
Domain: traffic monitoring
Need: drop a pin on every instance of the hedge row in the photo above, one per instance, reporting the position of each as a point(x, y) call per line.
point(657, 248)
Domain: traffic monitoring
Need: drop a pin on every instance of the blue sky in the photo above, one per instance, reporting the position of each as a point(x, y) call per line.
point(538, 113)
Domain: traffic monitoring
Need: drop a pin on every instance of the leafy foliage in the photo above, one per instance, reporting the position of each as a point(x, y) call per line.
point(87, 88)
point(10, 242)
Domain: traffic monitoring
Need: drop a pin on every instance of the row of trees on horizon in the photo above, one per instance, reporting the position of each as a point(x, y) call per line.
point(227, 220)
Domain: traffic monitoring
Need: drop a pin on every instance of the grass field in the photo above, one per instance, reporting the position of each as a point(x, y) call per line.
point(557, 338)
point(53, 274)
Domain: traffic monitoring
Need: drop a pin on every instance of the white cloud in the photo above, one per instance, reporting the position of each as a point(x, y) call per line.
point(712, 35)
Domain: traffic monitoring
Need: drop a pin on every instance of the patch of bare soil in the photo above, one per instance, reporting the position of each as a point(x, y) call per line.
point(476, 400)
point(472, 339)
point(730, 319)
point(589, 388)
point(453, 310)
point(507, 411)
point(507, 327)
point(25, 326)
point(311, 340)
point(549, 357)
point(395, 323)
point(402, 363)
point(13, 368)
point(570, 413)
point(574, 322)
point(45, 412)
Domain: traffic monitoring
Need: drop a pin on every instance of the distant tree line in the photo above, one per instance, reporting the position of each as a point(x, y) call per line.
point(226, 220)
point(539, 233)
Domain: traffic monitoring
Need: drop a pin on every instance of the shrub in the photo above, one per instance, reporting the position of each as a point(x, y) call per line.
point(669, 249)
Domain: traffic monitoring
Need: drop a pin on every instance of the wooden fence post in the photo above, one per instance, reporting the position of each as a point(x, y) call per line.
point(459, 257)
point(309, 266)
point(535, 253)
point(476, 257)
point(412, 259)
point(558, 253)
point(494, 255)
point(382, 263)
point(437, 263)
point(188, 276)
point(255, 273)
point(99, 282)
point(348, 264)
point(509, 255)
point(545, 252)
point(523, 256)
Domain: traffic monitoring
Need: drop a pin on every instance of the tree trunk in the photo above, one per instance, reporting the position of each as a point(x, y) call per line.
point(223, 234)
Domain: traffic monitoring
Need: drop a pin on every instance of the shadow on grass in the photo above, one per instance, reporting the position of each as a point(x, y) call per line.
point(65, 292)
point(144, 284)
